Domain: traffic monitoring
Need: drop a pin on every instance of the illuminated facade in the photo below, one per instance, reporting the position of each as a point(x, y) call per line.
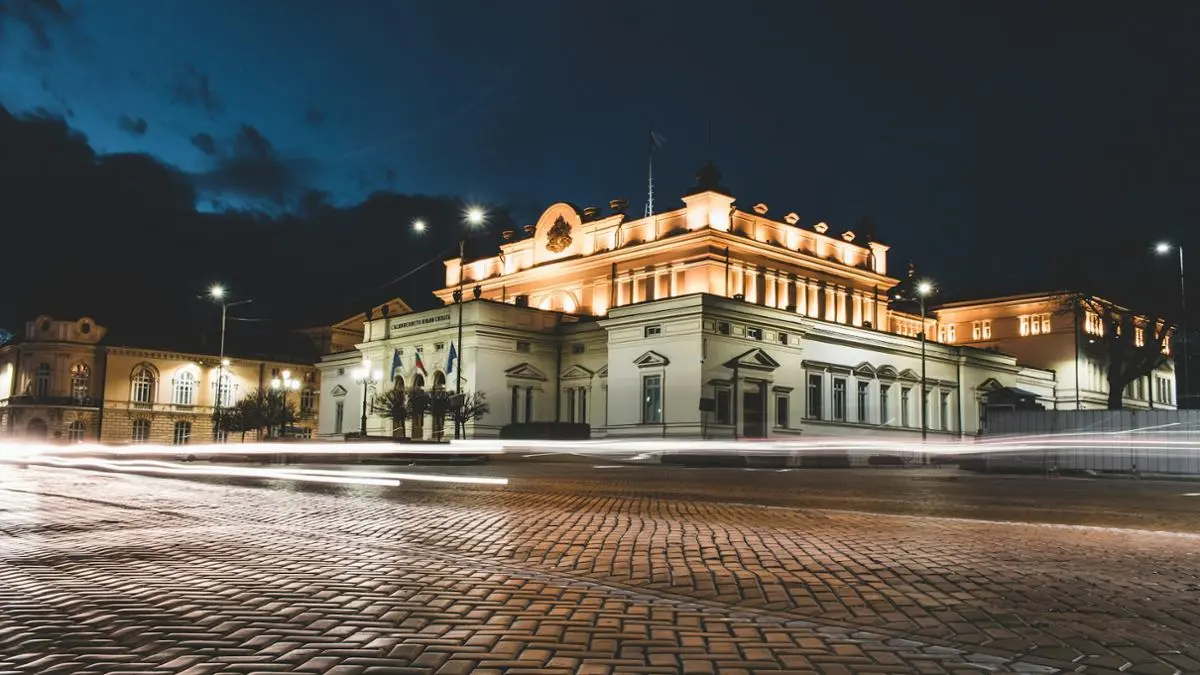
point(708, 320)
point(60, 383)
point(1044, 330)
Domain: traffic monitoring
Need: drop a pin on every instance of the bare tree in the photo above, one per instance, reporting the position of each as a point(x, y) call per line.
point(393, 404)
point(1129, 346)
point(471, 405)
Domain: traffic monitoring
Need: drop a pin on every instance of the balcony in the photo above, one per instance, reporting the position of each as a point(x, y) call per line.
point(53, 401)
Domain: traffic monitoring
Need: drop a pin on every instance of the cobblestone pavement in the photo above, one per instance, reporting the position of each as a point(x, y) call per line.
point(105, 573)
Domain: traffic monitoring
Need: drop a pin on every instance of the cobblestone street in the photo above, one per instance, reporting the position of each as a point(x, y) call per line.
point(109, 573)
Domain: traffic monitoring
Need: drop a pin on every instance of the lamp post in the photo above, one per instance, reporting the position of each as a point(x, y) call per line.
point(1163, 248)
point(367, 378)
point(283, 385)
point(217, 292)
point(924, 288)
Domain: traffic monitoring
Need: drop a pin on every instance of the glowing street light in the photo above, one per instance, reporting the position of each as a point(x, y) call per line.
point(476, 215)
point(217, 292)
point(418, 226)
point(367, 378)
point(924, 289)
point(1163, 248)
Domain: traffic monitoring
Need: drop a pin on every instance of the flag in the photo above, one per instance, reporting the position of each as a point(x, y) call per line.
point(450, 360)
point(418, 365)
point(657, 140)
point(395, 363)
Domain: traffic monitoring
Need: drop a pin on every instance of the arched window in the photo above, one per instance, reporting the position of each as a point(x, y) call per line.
point(184, 392)
point(418, 381)
point(41, 380)
point(141, 431)
point(183, 433)
point(223, 394)
point(143, 386)
point(76, 431)
point(398, 383)
point(439, 380)
point(81, 382)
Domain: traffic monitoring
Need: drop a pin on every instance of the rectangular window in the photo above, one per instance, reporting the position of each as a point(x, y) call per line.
point(754, 333)
point(814, 396)
point(944, 412)
point(839, 399)
point(341, 371)
point(571, 405)
point(652, 330)
point(1139, 337)
point(987, 329)
point(1093, 324)
point(514, 414)
point(523, 347)
point(723, 327)
point(577, 348)
point(884, 390)
point(528, 404)
point(1035, 324)
point(864, 391)
point(339, 417)
point(783, 338)
point(976, 330)
point(723, 398)
point(782, 403)
point(905, 405)
point(951, 333)
point(583, 405)
point(651, 399)
point(439, 346)
point(141, 431)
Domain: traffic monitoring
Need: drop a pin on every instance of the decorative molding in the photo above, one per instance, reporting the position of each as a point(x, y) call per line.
point(754, 359)
point(525, 371)
point(338, 390)
point(651, 359)
point(909, 374)
point(577, 372)
point(865, 369)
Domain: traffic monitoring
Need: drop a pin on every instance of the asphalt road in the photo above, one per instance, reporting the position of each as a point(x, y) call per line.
point(591, 566)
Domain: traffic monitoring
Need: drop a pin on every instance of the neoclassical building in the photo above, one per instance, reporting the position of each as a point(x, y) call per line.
point(707, 320)
point(59, 381)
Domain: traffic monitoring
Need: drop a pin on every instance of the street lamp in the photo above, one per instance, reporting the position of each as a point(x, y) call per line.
point(283, 385)
point(1163, 248)
point(367, 378)
point(924, 288)
point(475, 217)
point(418, 226)
point(217, 293)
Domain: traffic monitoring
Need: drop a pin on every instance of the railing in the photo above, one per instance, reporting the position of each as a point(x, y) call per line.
point(55, 401)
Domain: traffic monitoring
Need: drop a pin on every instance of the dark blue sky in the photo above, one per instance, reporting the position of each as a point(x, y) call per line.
point(959, 127)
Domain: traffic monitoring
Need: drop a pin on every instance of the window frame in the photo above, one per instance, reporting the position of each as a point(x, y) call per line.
point(142, 425)
point(650, 413)
point(839, 401)
point(183, 389)
point(814, 405)
point(863, 401)
point(181, 433)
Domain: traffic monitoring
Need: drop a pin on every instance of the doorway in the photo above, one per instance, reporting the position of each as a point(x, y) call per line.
point(754, 410)
point(36, 429)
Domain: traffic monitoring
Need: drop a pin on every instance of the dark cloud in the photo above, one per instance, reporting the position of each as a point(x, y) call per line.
point(315, 117)
point(39, 17)
point(205, 143)
point(254, 169)
point(134, 125)
point(192, 88)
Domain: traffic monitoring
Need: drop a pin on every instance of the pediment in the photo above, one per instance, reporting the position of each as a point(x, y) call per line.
point(577, 372)
point(651, 358)
point(603, 372)
point(865, 369)
point(338, 390)
point(990, 384)
point(755, 359)
point(887, 371)
point(525, 371)
point(909, 374)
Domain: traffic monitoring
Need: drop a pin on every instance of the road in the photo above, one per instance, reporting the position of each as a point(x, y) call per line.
point(582, 566)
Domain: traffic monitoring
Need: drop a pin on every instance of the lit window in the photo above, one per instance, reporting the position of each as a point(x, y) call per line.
point(782, 403)
point(182, 434)
point(224, 391)
point(652, 330)
point(864, 390)
point(141, 431)
point(308, 401)
point(143, 386)
point(76, 431)
point(951, 333)
point(1035, 324)
point(1093, 324)
point(651, 399)
point(1139, 337)
point(41, 380)
point(184, 391)
point(987, 329)
point(81, 382)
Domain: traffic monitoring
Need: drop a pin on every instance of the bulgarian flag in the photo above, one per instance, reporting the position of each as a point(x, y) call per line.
point(420, 366)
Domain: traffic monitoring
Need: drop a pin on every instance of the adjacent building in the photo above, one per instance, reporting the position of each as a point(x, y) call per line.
point(60, 381)
point(704, 321)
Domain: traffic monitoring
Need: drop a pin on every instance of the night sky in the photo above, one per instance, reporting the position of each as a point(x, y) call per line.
point(982, 138)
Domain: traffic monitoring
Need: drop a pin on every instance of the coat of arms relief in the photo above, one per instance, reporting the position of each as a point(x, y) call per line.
point(559, 236)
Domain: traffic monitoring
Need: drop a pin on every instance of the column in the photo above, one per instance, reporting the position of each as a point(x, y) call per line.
point(840, 306)
point(801, 296)
point(769, 288)
point(782, 286)
point(751, 280)
point(814, 299)
point(830, 298)
point(857, 313)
